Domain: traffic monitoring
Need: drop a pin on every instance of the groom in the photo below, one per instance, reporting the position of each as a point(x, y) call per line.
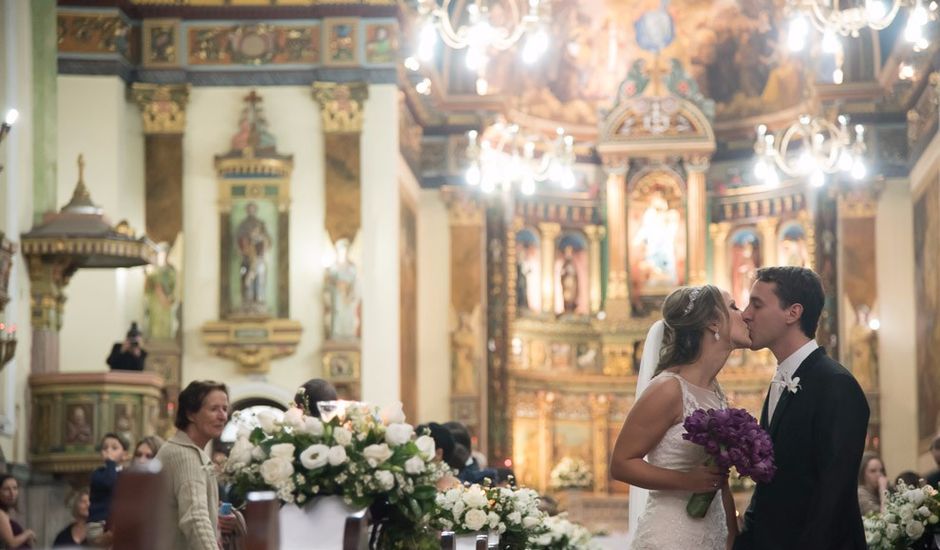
point(817, 417)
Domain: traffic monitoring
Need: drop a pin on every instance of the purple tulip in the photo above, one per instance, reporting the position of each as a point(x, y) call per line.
point(732, 437)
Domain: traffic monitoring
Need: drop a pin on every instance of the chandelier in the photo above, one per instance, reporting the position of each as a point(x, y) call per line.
point(811, 148)
point(831, 19)
point(480, 37)
point(510, 159)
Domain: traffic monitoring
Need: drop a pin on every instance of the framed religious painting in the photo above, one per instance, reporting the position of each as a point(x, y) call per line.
point(341, 42)
point(656, 232)
point(745, 255)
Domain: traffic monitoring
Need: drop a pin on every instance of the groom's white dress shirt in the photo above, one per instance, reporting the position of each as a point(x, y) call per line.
point(785, 371)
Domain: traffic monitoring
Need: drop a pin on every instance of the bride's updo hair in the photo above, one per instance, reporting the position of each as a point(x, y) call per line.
point(687, 312)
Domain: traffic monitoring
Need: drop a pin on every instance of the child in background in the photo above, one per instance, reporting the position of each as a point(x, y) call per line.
point(114, 452)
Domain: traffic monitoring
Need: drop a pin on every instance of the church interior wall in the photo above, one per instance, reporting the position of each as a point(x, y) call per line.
point(97, 121)
point(896, 338)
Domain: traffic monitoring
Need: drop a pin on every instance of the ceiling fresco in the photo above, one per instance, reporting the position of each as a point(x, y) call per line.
point(732, 48)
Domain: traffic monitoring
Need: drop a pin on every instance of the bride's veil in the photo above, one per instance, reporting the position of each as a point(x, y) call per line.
point(651, 351)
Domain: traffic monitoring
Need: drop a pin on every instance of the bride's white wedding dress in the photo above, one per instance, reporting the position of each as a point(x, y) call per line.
point(664, 523)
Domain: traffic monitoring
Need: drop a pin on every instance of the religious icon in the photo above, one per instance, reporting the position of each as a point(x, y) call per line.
point(571, 276)
point(657, 236)
point(160, 291)
point(380, 43)
point(78, 424)
point(124, 421)
point(341, 43)
point(745, 259)
point(253, 242)
point(528, 271)
point(791, 248)
point(341, 296)
point(162, 44)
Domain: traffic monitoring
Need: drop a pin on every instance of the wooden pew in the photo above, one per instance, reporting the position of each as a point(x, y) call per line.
point(140, 511)
point(356, 533)
point(261, 520)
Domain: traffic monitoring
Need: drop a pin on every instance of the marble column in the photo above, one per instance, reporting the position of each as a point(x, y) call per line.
point(546, 430)
point(767, 228)
point(600, 428)
point(618, 296)
point(719, 234)
point(594, 234)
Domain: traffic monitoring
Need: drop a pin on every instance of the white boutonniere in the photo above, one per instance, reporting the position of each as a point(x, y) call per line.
point(792, 384)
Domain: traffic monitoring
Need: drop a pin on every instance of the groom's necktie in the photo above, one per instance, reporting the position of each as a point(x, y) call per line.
point(776, 390)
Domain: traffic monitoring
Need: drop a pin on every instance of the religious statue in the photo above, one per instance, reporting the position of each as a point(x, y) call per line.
point(569, 281)
point(253, 241)
point(522, 286)
point(657, 234)
point(160, 293)
point(341, 297)
point(77, 429)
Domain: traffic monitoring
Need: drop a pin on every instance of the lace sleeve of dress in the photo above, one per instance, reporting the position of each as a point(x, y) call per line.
point(721, 395)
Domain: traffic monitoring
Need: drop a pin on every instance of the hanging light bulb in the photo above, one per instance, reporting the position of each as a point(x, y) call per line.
point(773, 178)
point(473, 175)
point(817, 178)
point(482, 86)
point(11, 117)
point(914, 31)
point(528, 185)
point(830, 43)
point(568, 179)
point(845, 161)
point(412, 63)
point(427, 42)
point(837, 75)
point(797, 33)
point(424, 87)
point(535, 46)
point(875, 11)
point(760, 169)
point(906, 71)
point(859, 170)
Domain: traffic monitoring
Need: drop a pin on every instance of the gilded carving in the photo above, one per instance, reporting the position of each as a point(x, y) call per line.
point(160, 42)
point(252, 344)
point(341, 105)
point(81, 33)
point(254, 44)
point(162, 107)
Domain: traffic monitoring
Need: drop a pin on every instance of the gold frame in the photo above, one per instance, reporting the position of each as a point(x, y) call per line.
point(149, 25)
point(327, 26)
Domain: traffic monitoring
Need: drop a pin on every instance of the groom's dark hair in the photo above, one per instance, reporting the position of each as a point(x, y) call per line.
point(797, 285)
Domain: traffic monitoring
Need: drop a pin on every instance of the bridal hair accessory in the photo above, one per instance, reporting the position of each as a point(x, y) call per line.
point(692, 296)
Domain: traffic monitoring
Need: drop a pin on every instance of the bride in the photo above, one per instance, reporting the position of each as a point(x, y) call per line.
point(682, 356)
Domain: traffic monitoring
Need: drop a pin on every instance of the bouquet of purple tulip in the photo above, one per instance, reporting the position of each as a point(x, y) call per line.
point(731, 437)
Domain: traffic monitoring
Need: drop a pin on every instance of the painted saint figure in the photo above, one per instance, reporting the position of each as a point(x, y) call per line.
point(657, 234)
point(253, 241)
point(160, 292)
point(569, 281)
point(341, 296)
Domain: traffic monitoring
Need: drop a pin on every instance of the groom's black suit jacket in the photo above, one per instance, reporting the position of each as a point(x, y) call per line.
point(818, 435)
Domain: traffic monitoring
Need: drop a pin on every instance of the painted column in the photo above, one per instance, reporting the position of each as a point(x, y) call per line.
point(618, 296)
point(549, 234)
point(697, 219)
point(594, 234)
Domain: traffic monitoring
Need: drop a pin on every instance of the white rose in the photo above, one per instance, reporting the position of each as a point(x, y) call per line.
point(241, 452)
point(892, 532)
point(282, 450)
point(268, 421)
point(906, 513)
point(294, 417)
point(475, 520)
point(493, 518)
point(342, 436)
point(393, 414)
point(933, 519)
point(385, 479)
point(474, 497)
point(243, 431)
point(915, 529)
point(377, 454)
point(452, 495)
point(515, 518)
point(315, 456)
point(257, 453)
point(916, 496)
point(313, 426)
point(923, 511)
point(337, 455)
point(530, 521)
point(276, 471)
point(414, 465)
point(458, 508)
point(398, 434)
point(427, 447)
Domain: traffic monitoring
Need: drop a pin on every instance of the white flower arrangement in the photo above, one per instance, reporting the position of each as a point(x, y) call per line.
point(571, 473)
point(909, 513)
point(354, 454)
point(562, 534)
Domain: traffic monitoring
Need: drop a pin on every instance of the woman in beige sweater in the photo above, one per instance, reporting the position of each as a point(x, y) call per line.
point(200, 418)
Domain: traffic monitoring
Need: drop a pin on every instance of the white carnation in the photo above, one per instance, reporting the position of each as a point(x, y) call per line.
point(393, 414)
point(315, 456)
point(427, 447)
point(377, 454)
point(342, 436)
point(337, 455)
point(283, 450)
point(276, 471)
point(313, 426)
point(398, 434)
point(385, 480)
point(475, 519)
point(414, 465)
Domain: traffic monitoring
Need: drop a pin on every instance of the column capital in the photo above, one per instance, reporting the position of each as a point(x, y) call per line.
point(462, 208)
point(595, 232)
point(342, 105)
point(162, 107)
point(549, 229)
point(697, 163)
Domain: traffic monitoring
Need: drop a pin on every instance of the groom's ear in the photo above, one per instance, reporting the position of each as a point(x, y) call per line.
point(793, 313)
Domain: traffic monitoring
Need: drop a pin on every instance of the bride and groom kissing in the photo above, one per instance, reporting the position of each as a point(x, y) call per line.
point(815, 413)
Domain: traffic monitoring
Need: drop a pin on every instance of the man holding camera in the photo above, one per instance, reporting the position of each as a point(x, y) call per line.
point(129, 354)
